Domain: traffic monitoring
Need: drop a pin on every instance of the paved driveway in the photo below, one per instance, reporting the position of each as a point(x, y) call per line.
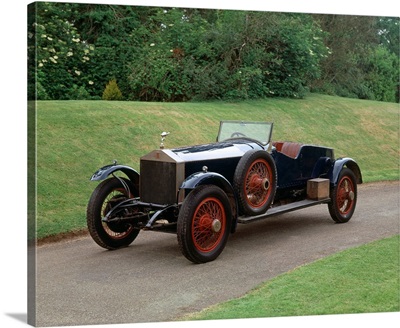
point(79, 283)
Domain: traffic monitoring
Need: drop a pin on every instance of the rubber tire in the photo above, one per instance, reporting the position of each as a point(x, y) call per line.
point(334, 210)
point(244, 165)
point(94, 216)
point(190, 206)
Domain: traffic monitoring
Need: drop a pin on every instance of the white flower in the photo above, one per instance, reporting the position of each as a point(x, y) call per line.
point(53, 60)
point(55, 57)
point(70, 53)
point(78, 73)
point(76, 40)
point(40, 64)
point(49, 38)
point(91, 82)
point(152, 44)
point(86, 58)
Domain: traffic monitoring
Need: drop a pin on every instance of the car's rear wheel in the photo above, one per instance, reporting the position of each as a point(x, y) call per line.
point(255, 182)
point(204, 223)
point(343, 197)
point(108, 194)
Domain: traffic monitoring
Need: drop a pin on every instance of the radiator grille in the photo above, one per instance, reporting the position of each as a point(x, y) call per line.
point(158, 182)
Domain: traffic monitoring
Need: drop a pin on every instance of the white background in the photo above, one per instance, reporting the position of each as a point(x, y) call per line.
point(13, 159)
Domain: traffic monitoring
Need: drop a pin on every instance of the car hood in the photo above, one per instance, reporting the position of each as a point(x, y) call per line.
point(217, 150)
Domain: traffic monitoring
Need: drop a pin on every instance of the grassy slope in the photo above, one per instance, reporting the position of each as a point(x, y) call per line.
point(74, 138)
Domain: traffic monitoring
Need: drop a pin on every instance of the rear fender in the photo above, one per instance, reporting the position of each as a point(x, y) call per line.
point(339, 164)
point(211, 178)
point(107, 170)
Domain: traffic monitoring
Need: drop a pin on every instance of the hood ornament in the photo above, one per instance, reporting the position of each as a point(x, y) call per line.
point(163, 136)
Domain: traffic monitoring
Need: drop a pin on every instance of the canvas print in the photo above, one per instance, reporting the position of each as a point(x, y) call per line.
point(207, 164)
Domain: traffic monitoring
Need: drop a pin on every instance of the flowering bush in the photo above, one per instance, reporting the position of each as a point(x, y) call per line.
point(56, 54)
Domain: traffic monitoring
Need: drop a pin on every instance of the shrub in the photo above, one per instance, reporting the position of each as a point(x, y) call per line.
point(112, 91)
point(41, 93)
point(78, 93)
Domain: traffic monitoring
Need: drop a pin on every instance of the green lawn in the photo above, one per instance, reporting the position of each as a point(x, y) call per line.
point(74, 138)
point(359, 280)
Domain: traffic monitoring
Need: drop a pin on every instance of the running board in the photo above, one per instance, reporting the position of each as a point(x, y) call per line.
point(283, 209)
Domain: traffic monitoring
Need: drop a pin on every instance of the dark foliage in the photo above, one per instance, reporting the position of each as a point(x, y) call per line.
point(175, 54)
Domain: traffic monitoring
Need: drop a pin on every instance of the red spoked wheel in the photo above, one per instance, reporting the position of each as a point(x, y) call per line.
point(208, 224)
point(255, 182)
point(204, 223)
point(343, 197)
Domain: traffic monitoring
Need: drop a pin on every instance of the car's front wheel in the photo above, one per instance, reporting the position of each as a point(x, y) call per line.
point(343, 197)
point(204, 223)
point(109, 193)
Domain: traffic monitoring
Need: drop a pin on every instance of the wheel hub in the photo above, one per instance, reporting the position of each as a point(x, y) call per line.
point(216, 225)
point(265, 184)
point(259, 183)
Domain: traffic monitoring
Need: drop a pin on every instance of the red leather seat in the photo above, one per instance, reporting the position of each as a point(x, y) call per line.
point(291, 149)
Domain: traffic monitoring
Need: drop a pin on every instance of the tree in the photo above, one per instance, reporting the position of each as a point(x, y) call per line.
point(363, 63)
point(117, 33)
point(389, 34)
point(381, 80)
point(165, 67)
point(239, 55)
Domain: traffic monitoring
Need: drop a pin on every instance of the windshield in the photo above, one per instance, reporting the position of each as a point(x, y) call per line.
point(260, 131)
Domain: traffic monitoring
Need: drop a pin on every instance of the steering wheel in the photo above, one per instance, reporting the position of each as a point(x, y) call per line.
point(237, 134)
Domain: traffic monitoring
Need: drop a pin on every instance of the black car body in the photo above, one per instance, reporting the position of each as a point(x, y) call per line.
point(202, 192)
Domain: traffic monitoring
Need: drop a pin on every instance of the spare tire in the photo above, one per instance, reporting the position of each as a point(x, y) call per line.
point(255, 181)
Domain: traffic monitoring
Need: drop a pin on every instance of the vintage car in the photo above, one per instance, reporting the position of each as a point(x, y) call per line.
point(201, 193)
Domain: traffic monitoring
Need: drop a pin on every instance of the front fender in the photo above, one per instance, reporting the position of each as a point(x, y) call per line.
point(338, 166)
point(105, 171)
point(203, 178)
